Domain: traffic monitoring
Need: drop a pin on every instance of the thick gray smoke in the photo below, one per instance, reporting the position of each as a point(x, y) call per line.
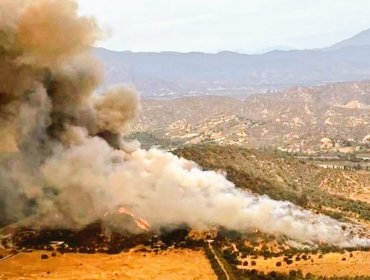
point(70, 166)
point(47, 76)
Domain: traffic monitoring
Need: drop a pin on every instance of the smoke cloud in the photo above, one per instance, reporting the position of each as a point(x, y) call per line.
point(70, 165)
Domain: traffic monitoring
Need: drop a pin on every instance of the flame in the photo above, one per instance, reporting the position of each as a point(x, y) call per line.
point(143, 224)
point(125, 211)
point(140, 222)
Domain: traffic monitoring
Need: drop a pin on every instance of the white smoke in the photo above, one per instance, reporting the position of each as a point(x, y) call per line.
point(169, 191)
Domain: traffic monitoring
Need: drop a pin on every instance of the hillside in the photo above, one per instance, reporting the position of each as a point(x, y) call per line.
point(360, 39)
point(331, 118)
point(284, 178)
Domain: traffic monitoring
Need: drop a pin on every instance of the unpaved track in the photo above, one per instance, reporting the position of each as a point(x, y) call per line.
point(218, 260)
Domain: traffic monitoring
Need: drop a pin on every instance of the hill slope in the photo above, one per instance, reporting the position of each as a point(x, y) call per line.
point(329, 118)
point(283, 178)
point(360, 39)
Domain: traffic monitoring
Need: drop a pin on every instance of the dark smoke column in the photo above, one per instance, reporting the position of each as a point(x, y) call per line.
point(47, 78)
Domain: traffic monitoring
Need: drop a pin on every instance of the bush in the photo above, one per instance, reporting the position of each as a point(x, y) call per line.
point(289, 262)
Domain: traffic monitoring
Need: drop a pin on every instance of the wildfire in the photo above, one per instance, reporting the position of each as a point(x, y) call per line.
point(140, 222)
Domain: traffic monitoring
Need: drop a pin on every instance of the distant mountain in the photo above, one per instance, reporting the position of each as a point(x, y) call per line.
point(173, 74)
point(275, 48)
point(360, 39)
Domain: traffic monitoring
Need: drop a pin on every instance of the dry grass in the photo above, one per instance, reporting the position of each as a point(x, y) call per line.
point(172, 264)
point(332, 264)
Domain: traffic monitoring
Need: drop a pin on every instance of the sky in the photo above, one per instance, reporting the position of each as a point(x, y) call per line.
point(246, 26)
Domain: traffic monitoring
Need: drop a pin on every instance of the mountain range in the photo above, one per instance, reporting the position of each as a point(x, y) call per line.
point(173, 74)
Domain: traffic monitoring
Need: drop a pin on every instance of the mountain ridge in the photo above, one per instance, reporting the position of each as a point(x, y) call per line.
point(173, 74)
point(360, 39)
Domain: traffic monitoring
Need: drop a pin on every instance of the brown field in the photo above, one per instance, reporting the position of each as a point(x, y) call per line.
point(332, 264)
point(171, 264)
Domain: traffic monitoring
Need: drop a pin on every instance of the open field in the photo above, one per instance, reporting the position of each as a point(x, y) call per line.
point(166, 265)
point(329, 265)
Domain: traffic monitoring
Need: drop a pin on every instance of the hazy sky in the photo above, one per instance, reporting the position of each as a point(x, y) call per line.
point(215, 25)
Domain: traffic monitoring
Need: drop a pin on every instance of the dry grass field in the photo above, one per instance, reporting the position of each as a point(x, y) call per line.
point(166, 265)
point(329, 265)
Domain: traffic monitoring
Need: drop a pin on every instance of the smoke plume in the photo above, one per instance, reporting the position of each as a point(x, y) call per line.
point(69, 164)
